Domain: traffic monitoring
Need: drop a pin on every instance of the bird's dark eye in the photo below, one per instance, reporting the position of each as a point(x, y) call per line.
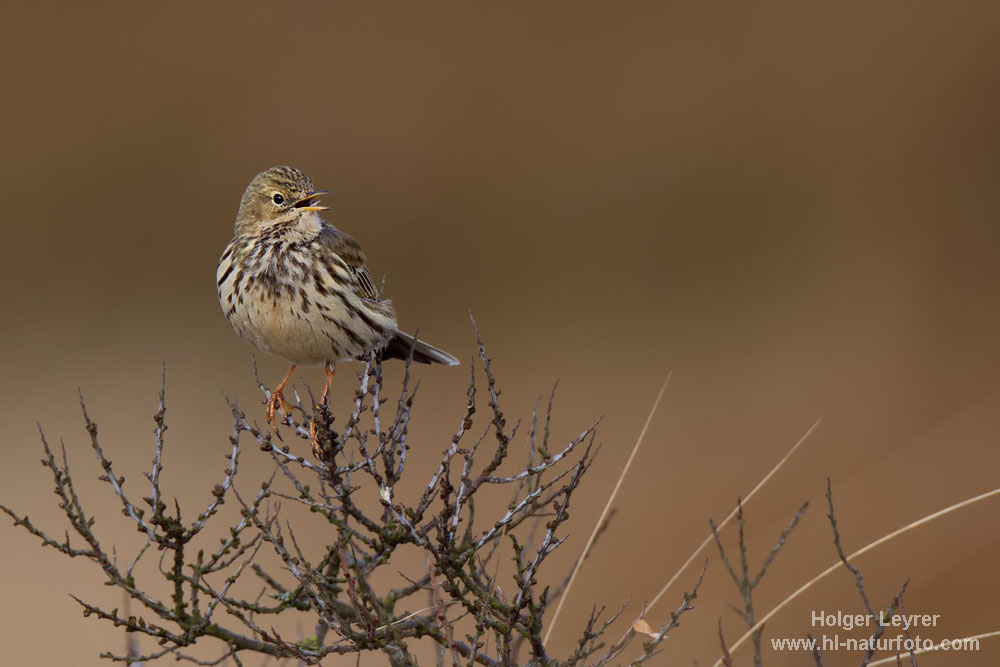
point(278, 199)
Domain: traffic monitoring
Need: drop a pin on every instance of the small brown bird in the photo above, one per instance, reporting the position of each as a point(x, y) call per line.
point(294, 285)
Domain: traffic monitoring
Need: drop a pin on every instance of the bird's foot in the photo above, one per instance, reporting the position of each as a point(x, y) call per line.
point(314, 441)
point(277, 402)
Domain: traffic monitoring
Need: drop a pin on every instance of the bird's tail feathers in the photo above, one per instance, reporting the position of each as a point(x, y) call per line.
point(400, 346)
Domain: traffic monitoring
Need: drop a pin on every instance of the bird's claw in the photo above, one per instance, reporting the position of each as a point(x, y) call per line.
point(276, 401)
point(314, 440)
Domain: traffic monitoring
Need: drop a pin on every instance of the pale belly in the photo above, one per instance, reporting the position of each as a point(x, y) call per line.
point(308, 325)
point(282, 331)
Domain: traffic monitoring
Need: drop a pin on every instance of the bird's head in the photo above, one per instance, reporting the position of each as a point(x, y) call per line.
point(280, 195)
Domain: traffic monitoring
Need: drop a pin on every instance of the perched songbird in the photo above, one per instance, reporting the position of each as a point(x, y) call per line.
point(294, 285)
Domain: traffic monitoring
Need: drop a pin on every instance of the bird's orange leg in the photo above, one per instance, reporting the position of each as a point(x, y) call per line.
point(329, 378)
point(277, 401)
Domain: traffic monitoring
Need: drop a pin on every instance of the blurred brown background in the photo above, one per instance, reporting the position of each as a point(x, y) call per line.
point(792, 208)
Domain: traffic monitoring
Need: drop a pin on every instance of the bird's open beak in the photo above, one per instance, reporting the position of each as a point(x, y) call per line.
point(307, 202)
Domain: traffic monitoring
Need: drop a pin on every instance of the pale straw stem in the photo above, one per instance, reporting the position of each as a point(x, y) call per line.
point(856, 554)
point(604, 514)
point(939, 646)
point(750, 495)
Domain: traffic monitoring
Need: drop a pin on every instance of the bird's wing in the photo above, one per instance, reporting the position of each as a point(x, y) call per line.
point(350, 253)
